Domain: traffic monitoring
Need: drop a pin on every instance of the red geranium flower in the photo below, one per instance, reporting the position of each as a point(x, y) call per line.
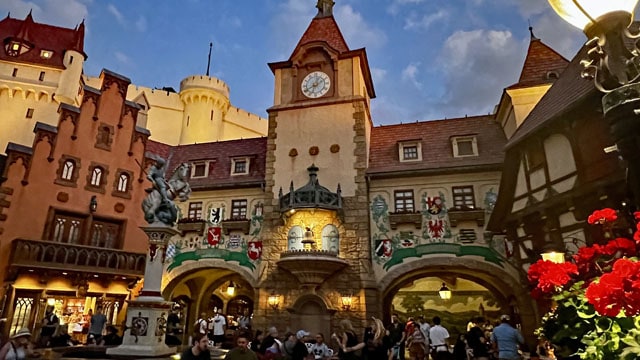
point(625, 246)
point(636, 215)
point(617, 290)
point(586, 257)
point(605, 215)
point(636, 235)
point(548, 275)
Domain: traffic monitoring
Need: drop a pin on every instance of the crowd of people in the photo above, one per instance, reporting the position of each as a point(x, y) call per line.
point(415, 339)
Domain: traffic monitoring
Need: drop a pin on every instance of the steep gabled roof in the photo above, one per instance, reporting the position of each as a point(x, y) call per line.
point(435, 139)
point(41, 37)
point(220, 155)
point(543, 65)
point(324, 29)
point(567, 90)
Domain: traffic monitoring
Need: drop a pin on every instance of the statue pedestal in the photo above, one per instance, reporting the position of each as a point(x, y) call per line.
point(147, 315)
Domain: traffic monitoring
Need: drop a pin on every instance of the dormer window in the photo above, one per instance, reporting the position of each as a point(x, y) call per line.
point(464, 146)
point(410, 151)
point(240, 166)
point(46, 54)
point(15, 48)
point(199, 169)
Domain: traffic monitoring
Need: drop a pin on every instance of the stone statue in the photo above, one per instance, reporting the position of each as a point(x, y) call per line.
point(158, 206)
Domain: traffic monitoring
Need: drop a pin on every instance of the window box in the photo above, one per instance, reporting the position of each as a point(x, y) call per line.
point(457, 215)
point(236, 224)
point(191, 225)
point(397, 218)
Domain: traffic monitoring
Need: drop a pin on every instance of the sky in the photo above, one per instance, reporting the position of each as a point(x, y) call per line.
point(429, 59)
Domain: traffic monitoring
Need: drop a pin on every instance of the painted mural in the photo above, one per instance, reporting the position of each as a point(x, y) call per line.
point(468, 301)
point(235, 246)
point(392, 247)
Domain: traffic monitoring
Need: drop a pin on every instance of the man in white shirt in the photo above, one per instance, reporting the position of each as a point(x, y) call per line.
point(439, 337)
point(201, 324)
point(219, 327)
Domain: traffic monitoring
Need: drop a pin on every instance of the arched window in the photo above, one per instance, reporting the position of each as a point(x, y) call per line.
point(96, 176)
point(67, 169)
point(294, 238)
point(123, 182)
point(330, 238)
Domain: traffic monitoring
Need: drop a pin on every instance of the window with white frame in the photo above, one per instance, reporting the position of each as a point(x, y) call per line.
point(404, 201)
point(410, 151)
point(240, 166)
point(68, 168)
point(239, 209)
point(463, 197)
point(96, 176)
point(195, 210)
point(123, 182)
point(464, 146)
point(199, 169)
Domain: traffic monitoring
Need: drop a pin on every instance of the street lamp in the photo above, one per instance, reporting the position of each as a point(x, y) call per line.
point(553, 255)
point(231, 289)
point(613, 62)
point(445, 292)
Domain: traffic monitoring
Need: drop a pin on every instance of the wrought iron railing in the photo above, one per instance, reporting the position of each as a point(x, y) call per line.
point(38, 254)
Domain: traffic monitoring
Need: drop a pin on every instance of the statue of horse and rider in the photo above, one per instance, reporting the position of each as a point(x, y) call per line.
point(159, 204)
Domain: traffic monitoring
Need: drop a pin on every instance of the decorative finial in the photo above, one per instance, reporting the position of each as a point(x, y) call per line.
point(209, 60)
point(325, 8)
point(533, 37)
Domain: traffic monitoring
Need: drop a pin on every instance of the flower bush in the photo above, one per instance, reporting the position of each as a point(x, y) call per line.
point(596, 297)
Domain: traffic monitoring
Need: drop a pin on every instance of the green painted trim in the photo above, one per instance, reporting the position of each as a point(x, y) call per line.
point(222, 254)
point(458, 250)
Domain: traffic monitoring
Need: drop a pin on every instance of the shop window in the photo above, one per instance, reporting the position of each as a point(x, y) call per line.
point(463, 198)
point(68, 169)
point(238, 209)
point(195, 211)
point(404, 201)
point(21, 313)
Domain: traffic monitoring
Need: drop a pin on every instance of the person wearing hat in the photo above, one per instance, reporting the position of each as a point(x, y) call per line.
point(300, 351)
point(505, 340)
point(17, 347)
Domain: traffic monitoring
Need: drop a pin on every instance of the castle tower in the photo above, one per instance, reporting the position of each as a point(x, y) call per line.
point(206, 103)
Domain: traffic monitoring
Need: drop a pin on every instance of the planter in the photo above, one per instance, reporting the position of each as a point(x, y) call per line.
point(456, 216)
point(192, 226)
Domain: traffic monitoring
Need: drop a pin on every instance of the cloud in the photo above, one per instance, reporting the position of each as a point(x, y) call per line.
point(122, 58)
point(394, 7)
point(378, 75)
point(410, 74)
point(412, 22)
point(476, 65)
point(357, 32)
point(48, 11)
point(116, 13)
point(141, 24)
point(233, 22)
point(293, 16)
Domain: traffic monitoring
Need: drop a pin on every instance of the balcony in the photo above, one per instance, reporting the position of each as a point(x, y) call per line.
point(397, 218)
point(457, 215)
point(311, 267)
point(234, 224)
point(48, 255)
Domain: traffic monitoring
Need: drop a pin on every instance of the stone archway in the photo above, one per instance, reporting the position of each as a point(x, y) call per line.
point(504, 280)
point(312, 314)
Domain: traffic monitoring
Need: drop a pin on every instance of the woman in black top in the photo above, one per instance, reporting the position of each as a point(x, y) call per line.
point(346, 338)
point(377, 343)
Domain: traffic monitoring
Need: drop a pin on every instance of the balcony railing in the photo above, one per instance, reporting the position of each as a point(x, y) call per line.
point(49, 255)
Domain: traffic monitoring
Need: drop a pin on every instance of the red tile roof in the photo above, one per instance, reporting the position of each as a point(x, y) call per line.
point(41, 37)
point(435, 138)
point(324, 29)
point(564, 94)
point(541, 60)
point(220, 153)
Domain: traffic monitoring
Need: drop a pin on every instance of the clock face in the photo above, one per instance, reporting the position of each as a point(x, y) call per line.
point(315, 84)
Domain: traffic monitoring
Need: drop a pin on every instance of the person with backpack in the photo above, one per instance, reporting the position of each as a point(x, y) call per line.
point(200, 326)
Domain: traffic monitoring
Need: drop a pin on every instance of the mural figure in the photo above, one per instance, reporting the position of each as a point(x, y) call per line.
point(436, 230)
point(384, 248)
point(436, 219)
point(490, 199)
point(158, 206)
point(255, 250)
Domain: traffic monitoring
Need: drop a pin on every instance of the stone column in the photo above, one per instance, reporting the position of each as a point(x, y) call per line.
point(147, 315)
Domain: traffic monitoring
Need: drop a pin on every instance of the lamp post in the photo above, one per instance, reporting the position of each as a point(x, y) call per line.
point(613, 63)
point(444, 292)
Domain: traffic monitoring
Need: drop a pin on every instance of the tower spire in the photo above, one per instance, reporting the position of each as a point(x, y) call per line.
point(325, 8)
point(533, 37)
point(209, 60)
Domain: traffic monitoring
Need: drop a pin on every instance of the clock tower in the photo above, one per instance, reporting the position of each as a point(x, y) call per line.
point(321, 116)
